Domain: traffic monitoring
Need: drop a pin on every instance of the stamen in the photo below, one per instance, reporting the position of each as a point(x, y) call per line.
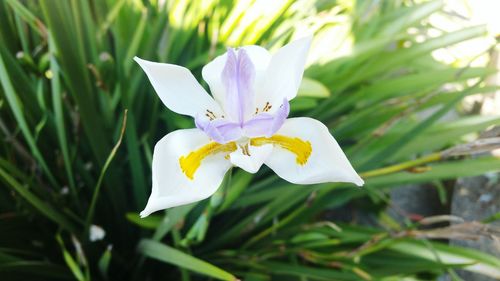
point(301, 149)
point(244, 149)
point(211, 115)
point(191, 162)
point(267, 107)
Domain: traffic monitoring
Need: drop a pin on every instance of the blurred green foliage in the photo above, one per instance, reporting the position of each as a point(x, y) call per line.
point(67, 78)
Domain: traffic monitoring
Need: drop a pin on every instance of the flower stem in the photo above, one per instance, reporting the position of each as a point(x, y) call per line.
point(403, 166)
point(97, 188)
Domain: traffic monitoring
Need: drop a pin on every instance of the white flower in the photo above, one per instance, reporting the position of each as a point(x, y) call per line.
point(245, 125)
point(96, 233)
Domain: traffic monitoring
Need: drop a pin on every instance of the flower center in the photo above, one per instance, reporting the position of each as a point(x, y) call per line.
point(191, 162)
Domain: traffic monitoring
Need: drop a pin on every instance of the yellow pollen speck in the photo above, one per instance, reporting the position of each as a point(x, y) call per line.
point(301, 149)
point(191, 162)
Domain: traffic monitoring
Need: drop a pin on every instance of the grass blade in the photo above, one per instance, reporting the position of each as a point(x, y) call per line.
point(173, 256)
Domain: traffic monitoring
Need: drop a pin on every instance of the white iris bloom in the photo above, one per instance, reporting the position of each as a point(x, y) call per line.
point(244, 123)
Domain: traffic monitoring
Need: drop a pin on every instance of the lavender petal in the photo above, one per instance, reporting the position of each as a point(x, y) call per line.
point(220, 130)
point(238, 76)
point(267, 124)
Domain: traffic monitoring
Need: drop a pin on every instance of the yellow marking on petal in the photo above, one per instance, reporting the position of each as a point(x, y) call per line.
point(191, 162)
point(302, 149)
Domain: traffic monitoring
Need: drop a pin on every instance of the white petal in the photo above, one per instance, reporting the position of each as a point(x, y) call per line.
point(327, 162)
point(284, 73)
point(178, 89)
point(171, 187)
point(96, 233)
point(253, 162)
point(212, 71)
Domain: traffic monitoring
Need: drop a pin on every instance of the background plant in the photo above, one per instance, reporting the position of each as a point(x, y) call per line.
point(78, 120)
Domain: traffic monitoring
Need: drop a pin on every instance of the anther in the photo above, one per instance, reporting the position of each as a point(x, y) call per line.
point(210, 115)
point(267, 107)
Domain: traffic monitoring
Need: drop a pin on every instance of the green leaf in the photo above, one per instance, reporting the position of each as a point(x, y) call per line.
point(104, 262)
point(71, 262)
point(150, 222)
point(33, 269)
point(173, 217)
point(17, 109)
point(43, 207)
point(478, 262)
point(27, 16)
point(309, 272)
point(175, 257)
point(440, 171)
point(312, 88)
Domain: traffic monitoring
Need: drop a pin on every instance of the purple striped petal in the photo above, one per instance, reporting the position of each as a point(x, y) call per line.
point(220, 130)
point(266, 124)
point(238, 76)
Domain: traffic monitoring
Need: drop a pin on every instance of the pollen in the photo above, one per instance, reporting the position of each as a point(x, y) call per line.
point(191, 162)
point(302, 149)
